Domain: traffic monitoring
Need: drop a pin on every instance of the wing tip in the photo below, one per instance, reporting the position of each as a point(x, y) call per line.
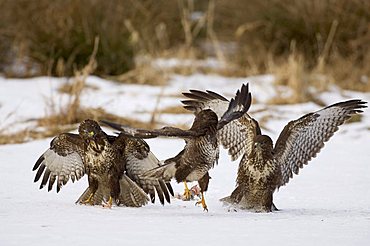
point(203, 96)
point(111, 124)
point(354, 104)
point(39, 173)
point(38, 162)
point(170, 189)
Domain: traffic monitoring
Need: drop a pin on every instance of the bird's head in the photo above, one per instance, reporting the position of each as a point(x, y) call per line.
point(205, 118)
point(263, 142)
point(91, 133)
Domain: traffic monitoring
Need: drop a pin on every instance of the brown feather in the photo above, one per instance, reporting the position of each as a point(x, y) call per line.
point(264, 169)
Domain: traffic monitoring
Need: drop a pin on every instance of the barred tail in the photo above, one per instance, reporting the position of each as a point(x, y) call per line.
point(131, 194)
point(97, 199)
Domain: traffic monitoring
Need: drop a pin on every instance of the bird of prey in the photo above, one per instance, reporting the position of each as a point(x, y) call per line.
point(112, 164)
point(201, 151)
point(264, 167)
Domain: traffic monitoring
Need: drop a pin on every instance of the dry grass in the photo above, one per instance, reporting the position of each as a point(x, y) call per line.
point(71, 113)
point(292, 74)
point(275, 24)
point(67, 118)
point(28, 135)
point(174, 110)
point(94, 114)
point(68, 88)
point(331, 39)
point(38, 31)
point(143, 74)
point(50, 127)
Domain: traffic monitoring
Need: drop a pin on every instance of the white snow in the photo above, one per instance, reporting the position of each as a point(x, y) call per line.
point(327, 204)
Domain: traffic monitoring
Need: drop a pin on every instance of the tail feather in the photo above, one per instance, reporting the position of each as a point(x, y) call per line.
point(228, 200)
point(146, 184)
point(235, 196)
point(97, 199)
point(131, 194)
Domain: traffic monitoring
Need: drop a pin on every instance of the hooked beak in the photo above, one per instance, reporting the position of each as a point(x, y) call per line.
point(92, 141)
point(257, 145)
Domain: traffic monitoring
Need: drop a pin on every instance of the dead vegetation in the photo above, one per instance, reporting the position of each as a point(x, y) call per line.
point(305, 44)
point(143, 74)
point(67, 118)
point(174, 110)
point(51, 126)
point(331, 39)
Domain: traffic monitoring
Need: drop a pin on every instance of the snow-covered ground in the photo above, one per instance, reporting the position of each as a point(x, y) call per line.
point(327, 204)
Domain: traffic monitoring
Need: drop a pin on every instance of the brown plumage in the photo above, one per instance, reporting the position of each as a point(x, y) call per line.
point(139, 159)
point(201, 151)
point(263, 167)
point(258, 177)
point(110, 162)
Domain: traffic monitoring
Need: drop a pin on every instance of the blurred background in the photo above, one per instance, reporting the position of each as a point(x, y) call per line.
point(303, 43)
point(315, 41)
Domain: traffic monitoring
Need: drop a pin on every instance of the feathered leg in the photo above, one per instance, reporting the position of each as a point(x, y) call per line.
point(203, 185)
point(115, 190)
point(93, 186)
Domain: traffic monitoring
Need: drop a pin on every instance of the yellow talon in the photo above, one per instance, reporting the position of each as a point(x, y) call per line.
point(187, 192)
point(109, 203)
point(203, 202)
point(88, 200)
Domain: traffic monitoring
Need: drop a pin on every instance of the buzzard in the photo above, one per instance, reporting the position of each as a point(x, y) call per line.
point(201, 151)
point(112, 164)
point(265, 167)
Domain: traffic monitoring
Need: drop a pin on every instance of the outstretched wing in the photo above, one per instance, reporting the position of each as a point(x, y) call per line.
point(238, 106)
point(143, 133)
point(235, 109)
point(61, 162)
point(201, 100)
point(236, 136)
point(140, 159)
point(303, 138)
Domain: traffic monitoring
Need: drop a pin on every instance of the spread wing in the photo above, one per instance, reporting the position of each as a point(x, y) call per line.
point(61, 162)
point(235, 109)
point(236, 136)
point(143, 133)
point(238, 106)
point(140, 159)
point(205, 100)
point(303, 138)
